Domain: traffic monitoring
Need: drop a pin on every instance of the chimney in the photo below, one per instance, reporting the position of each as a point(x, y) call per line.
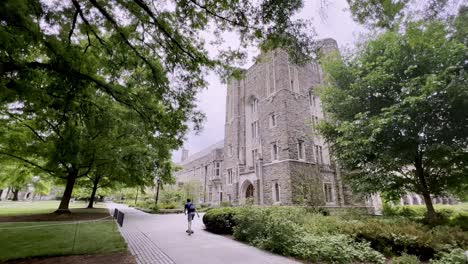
point(184, 155)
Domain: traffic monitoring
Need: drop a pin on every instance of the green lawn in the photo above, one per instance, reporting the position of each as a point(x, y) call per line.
point(8, 208)
point(56, 238)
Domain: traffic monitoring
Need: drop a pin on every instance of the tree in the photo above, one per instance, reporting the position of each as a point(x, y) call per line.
point(397, 113)
point(308, 188)
point(15, 175)
point(388, 14)
point(59, 61)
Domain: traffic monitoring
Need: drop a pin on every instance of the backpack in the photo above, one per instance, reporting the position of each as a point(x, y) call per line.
point(191, 208)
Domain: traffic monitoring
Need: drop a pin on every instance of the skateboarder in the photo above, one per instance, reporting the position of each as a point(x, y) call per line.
point(190, 210)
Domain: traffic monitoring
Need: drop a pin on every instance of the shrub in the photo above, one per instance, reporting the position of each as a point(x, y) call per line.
point(405, 259)
point(171, 205)
point(225, 204)
point(335, 249)
point(282, 230)
point(461, 220)
point(393, 237)
point(219, 220)
point(455, 256)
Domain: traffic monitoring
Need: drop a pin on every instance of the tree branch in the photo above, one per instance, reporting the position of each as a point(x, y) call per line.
point(151, 14)
point(75, 16)
point(26, 161)
point(122, 35)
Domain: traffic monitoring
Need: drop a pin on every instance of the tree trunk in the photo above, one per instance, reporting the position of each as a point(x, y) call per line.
point(65, 201)
point(15, 194)
point(7, 194)
point(136, 197)
point(1, 192)
point(431, 213)
point(93, 193)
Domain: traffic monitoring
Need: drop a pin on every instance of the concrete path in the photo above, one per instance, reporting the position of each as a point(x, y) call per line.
point(155, 239)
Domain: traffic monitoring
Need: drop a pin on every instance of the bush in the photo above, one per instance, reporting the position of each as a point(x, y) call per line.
point(455, 256)
point(394, 237)
point(460, 220)
point(225, 204)
point(335, 249)
point(313, 237)
point(405, 259)
point(171, 205)
point(282, 230)
point(220, 220)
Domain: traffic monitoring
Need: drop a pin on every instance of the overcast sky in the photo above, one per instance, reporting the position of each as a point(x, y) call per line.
point(331, 21)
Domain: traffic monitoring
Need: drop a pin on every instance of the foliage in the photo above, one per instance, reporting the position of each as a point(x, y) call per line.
point(191, 190)
point(397, 116)
point(225, 204)
point(388, 14)
point(405, 259)
point(220, 220)
point(449, 215)
point(454, 256)
point(307, 188)
point(314, 237)
point(282, 230)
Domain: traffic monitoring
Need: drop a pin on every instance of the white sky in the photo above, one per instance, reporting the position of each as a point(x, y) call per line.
point(330, 21)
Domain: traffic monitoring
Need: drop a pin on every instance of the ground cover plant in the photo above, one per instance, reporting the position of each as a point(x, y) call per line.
point(293, 231)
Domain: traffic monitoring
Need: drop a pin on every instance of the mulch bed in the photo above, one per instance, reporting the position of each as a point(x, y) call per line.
point(77, 216)
point(114, 258)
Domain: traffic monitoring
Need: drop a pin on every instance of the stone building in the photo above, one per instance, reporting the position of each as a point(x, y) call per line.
point(270, 151)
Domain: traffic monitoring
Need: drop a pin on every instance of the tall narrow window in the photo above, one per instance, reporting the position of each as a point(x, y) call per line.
point(210, 194)
point(300, 150)
point(254, 156)
point(328, 189)
point(274, 151)
point(254, 129)
point(217, 167)
point(230, 150)
point(317, 159)
point(254, 105)
point(321, 154)
point(277, 192)
point(312, 99)
point(229, 171)
point(272, 120)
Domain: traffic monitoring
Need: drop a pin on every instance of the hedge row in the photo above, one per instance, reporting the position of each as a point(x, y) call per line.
point(295, 232)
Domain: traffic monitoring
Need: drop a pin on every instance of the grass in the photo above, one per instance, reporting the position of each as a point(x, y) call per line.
point(57, 239)
point(9, 208)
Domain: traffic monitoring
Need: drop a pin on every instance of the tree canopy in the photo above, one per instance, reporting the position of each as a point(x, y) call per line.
point(388, 14)
point(81, 82)
point(397, 112)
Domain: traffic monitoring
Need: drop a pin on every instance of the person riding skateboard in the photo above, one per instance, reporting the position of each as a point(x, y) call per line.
point(190, 210)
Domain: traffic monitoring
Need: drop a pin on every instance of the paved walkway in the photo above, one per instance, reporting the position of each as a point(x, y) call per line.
point(161, 239)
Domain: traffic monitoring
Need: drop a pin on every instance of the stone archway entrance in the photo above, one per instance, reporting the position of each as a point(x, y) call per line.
point(249, 192)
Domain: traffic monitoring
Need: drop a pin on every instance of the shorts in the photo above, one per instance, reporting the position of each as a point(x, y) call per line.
point(190, 216)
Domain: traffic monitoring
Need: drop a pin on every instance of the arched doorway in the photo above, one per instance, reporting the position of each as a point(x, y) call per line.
point(249, 192)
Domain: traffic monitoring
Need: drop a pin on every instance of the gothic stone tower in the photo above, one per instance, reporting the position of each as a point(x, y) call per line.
point(271, 151)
